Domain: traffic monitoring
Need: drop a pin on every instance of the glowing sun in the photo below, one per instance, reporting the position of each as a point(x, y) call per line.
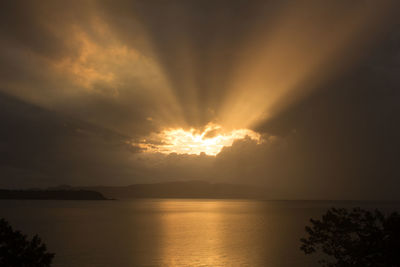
point(209, 141)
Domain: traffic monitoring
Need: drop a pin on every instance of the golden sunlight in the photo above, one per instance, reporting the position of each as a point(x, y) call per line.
point(209, 141)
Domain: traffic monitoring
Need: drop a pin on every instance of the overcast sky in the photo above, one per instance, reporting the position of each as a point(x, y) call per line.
point(83, 83)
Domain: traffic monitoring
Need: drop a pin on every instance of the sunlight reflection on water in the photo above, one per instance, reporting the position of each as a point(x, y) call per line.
point(170, 232)
point(210, 233)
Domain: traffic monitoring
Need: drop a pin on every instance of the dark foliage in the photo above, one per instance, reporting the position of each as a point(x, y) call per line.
point(18, 251)
point(355, 238)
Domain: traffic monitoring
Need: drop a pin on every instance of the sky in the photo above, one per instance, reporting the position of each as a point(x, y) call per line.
point(300, 97)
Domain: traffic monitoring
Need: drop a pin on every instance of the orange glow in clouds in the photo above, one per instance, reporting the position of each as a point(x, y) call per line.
point(210, 141)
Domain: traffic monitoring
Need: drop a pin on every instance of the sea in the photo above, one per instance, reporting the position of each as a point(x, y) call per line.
point(173, 232)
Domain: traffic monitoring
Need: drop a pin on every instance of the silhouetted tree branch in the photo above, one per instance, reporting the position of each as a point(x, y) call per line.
point(17, 251)
point(355, 238)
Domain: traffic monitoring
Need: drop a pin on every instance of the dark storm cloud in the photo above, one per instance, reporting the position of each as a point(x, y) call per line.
point(41, 28)
point(346, 133)
point(81, 80)
point(44, 61)
point(40, 147)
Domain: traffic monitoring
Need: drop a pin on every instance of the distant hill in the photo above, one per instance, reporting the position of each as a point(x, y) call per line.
point(51, 194)
point(191, 189)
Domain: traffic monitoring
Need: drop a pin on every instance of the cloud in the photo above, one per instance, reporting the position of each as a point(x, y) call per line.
point(317, 81)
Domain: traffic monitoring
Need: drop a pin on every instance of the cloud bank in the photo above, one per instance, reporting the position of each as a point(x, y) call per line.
point(318, 81)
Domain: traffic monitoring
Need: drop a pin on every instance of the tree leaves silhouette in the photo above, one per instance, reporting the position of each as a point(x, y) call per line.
point(355, 238)
point(16, 250)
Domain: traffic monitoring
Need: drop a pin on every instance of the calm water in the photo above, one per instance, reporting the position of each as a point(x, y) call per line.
point(171, 232)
